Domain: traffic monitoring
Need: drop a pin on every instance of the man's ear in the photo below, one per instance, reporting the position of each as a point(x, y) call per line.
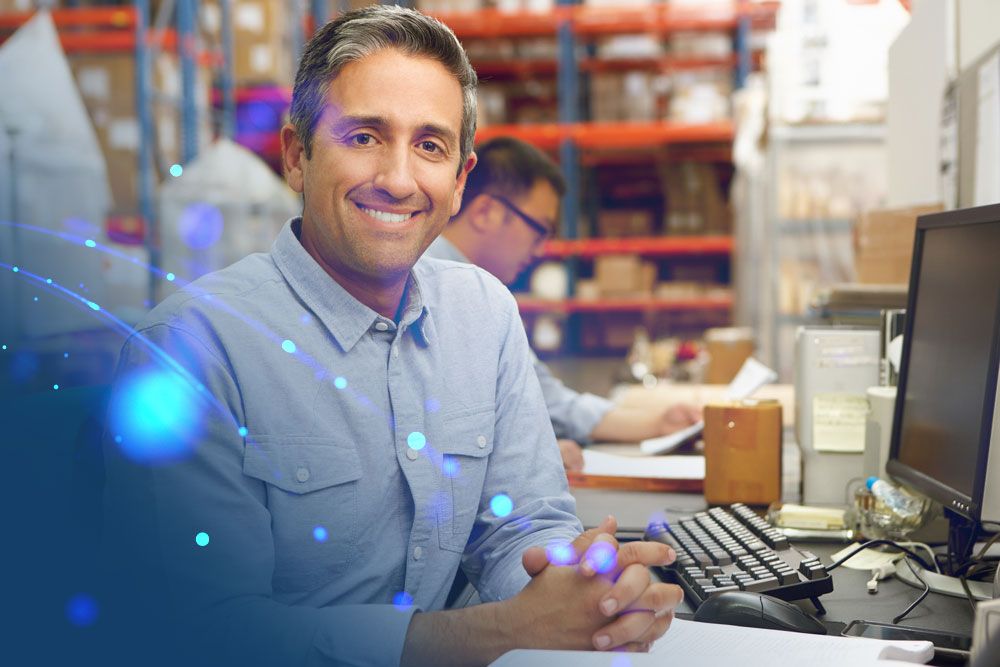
point(293, 155)
point(456, 202)
point(484, 214)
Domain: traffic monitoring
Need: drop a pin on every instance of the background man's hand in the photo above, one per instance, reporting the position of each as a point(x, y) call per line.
point(572, 455)
point(679, 416)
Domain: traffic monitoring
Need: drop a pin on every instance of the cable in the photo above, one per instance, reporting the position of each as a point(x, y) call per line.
point(869, 543)
point(968, 594)
point(926, 547)
point(913, 605)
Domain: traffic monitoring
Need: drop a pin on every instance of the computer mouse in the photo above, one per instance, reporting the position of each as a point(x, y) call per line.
point(754, 610)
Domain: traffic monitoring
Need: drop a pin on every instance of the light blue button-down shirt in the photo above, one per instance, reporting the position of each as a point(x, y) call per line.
point(340, 462)
point(574, 414)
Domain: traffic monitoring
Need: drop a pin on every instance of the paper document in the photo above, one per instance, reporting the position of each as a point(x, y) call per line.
point(659, 467)
point(694, 644)
point(752, 376)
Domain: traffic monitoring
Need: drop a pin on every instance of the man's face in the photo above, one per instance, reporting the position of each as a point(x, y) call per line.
point(517, 242)
point(383, 179)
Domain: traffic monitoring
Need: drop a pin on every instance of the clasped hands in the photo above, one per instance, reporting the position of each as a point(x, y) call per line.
point(595, 593)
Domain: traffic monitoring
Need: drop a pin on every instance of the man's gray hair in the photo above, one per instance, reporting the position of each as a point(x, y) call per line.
point(363, 32)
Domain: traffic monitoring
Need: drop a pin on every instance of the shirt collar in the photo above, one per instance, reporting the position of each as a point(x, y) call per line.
point(447, 250)
point(346, 318)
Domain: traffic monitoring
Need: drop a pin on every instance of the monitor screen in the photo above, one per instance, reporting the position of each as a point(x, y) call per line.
point(948, 374)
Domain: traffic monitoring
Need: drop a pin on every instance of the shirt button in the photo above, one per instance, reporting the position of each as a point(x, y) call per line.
point(302, 474)
point(411, 454)
point(481, 441)
point(417, 553)
point(395, 350)
point(381, 326)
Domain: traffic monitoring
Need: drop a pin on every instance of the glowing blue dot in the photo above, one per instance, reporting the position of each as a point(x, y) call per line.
point(501, 504)
point(5, 347)
point(157, 416)
point(118, 439)
point(176, 170)
point(81, 285)
point(416, 440)
point(201, 539)
point(36, 298)
point(320, 534)
point(81, 610)
point(65, 355)
point(170, 276)
point(306, 318)
point(243, 431)
point(56, 387)
point(560, 552)
point(48, 280)
point(340, 382)
point(288, 346)
point(602, 557)
point(93, 305)
point(432, 405)
point(89, 244)
point(450, 467)
point(16, 269)
point(402, 601)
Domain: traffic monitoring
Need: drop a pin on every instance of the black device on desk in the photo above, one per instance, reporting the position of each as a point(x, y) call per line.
point(946, 426)
point(735, 550)
point(754, 610)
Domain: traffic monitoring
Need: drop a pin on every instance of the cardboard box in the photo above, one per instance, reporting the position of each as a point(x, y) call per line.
point(625, 223)
point(624, 275)
point(883, 244)
point(262, 48)
point(743, 452)
point(106, 82)
point(694, 201)
point(727, 349)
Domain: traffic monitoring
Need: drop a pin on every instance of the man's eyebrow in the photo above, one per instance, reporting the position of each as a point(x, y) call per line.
point(347, 123)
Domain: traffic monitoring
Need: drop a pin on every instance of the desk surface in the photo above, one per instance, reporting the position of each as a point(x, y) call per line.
point(849, 599)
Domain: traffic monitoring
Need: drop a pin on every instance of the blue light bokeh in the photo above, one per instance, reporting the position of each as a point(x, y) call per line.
point(156, 416)
point(450, 466)
point(432, 405)
point(306, 318)
point(560, 552)
point(82, 610)
point(200, 225)
point(340, 382)
point(402, 601)
point(288, 346)
point(176, 170)
point(501, 504)
point(201, 539)
point(320, 534)
point(602, 557)
point(416, 440)
point(243, 431)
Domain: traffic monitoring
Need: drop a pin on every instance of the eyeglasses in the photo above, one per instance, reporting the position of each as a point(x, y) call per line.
point(543, 230)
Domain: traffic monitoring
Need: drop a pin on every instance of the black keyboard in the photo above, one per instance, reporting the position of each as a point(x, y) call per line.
point(735, 550)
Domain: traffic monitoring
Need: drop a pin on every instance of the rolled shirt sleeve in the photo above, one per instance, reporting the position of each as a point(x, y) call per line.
point(574, 414)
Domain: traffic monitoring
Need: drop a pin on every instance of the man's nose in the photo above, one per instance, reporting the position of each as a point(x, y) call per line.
point(395, 174)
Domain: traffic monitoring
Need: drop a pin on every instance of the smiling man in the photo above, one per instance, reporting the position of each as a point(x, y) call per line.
point(364, 425)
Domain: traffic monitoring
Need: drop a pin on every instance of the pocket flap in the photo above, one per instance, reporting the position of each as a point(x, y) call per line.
point(468, 433)
point(301, 464)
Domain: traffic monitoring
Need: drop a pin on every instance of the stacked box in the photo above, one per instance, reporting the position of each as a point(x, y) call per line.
point(262, 47)
point(884, 244)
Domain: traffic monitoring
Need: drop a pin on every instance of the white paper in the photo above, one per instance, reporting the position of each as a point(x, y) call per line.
point(988, 129)
point(694, 644)
point(839, 422)
point(660, 467)
point(866, 559)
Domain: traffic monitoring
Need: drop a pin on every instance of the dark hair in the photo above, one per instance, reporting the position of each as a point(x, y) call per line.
point(510, 167)
point(362, 32)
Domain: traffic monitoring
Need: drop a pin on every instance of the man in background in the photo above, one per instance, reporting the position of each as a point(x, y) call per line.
point(510, 207)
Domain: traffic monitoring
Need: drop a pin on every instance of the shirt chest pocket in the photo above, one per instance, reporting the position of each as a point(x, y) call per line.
point(465, 447)
point(312, 496)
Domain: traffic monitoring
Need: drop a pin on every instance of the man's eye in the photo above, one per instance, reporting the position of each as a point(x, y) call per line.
point(362, 139)
point(430, 147)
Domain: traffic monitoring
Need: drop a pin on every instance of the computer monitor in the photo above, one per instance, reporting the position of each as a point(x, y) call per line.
point(946, 428)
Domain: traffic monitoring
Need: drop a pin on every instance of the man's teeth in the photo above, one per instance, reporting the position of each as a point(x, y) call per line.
point(387, 217)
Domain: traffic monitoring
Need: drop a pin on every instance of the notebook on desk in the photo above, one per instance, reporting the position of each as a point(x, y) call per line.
point(604, 470)
point(694, 644)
